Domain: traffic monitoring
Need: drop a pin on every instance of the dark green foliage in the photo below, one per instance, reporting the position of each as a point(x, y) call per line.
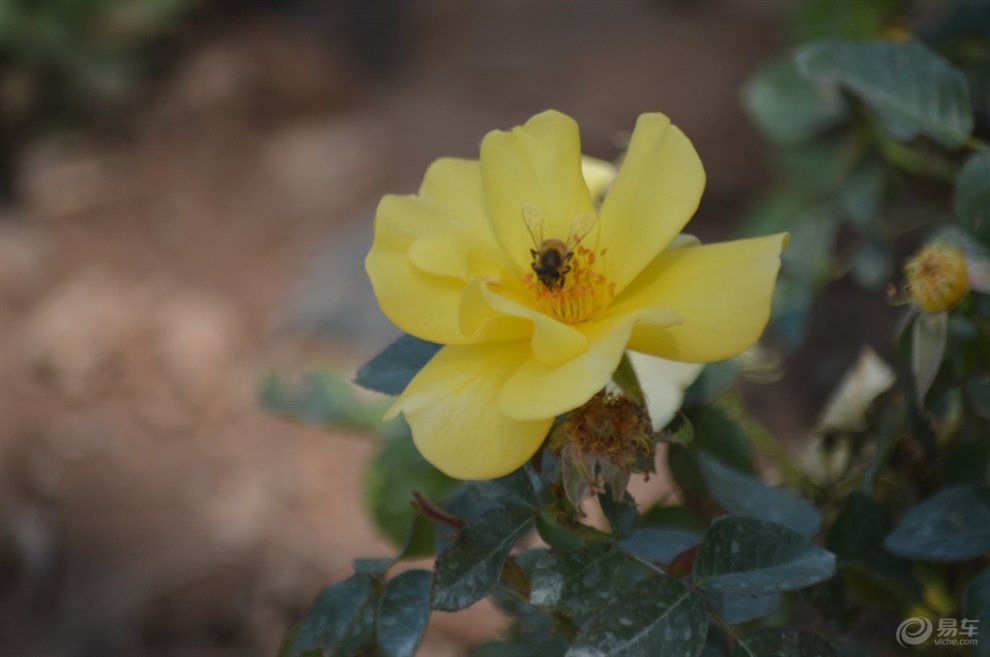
point(403, 611)
point(756, 557)
point(575, 582)
point(341, 622)
point(470, 569)
point(391, 371)
point(953, 525)
point(660, 545)
point(971, 200)
point(913, 90)
point(744, 495)
point(781, 642)
point(656, 616)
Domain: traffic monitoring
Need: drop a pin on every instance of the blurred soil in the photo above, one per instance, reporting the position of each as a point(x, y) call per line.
point(148, 279)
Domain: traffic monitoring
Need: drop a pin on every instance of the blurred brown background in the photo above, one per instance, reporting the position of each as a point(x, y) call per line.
point(177, 222)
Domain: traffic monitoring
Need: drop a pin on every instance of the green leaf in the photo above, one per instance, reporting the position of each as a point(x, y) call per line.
point(341, 622)
point(477, 498)
point(978, 391)
point(735, 608)
point(715, 380)
point(575, 582)
point(673, 517)
point(911, 88)
point(420, 540)
point(952, 525)
point(373, 567)
point(746, 555)
point(855, 20)
point(319, 398)
point(390, 479)
point(391, 371)
point(525, 646)
point(872, 264)
point(857, 537)
point(717, 433)
point(847, 648)
point(928, 339)
point(788, 108)
point(743, 495)
point(658, 616)
point(972, 196)
point(561, 532)
point(781, 642)
point(976, 605)
point(623, 516)
point(470, 568)
point(403, 613)
point(862, 197)
point(659, 545)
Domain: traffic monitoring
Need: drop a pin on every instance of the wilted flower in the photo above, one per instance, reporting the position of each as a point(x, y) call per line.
point(536, 292)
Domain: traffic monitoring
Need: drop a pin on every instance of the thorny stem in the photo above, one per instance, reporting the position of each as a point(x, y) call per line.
point(721, 622)
point(424, 507)
point(646, 564)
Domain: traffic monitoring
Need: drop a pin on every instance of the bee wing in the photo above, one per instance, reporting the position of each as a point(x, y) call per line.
point(533, 219)
point(580, 228)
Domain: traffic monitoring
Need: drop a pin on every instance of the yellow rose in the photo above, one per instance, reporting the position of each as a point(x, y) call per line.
point(530, 334)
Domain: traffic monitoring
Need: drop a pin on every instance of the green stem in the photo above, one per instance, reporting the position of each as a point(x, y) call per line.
point(931, 165)
point(976, 144)
point(722, 623)
point(646, 564)
point(766, 442)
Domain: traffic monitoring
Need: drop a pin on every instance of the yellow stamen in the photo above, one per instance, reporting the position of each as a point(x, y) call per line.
point(585, 293)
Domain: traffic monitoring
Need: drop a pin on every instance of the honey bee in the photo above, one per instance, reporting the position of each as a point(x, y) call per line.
point(552, 257)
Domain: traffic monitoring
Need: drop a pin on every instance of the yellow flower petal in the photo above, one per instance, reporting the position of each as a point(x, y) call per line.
point(451, 194)
point(450, 406)
point(663, 382)
point(401, 288)
point(539, 389)
point(721, 291)
point(450, 202)
point(537, 163)
point(656, 191)
point(464, 257)
point(553, 341)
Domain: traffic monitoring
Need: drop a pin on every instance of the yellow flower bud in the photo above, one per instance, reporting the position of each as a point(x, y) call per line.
point(936, 277)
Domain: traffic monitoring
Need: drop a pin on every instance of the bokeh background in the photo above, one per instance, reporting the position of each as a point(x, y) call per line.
point(187, 189)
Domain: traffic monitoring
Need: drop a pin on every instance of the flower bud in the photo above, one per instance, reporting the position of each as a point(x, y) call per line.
point(936, 277)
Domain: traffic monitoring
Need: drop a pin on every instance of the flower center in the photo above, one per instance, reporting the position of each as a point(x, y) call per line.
point(576, 290)
point(612, 426)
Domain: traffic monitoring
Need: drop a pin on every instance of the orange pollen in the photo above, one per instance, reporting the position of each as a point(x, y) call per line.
point(585, 292)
